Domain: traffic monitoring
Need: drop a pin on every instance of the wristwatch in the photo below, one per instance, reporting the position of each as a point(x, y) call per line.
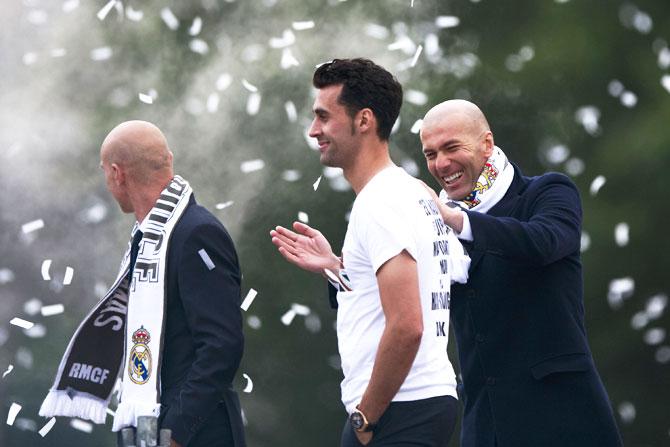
point(359, 422)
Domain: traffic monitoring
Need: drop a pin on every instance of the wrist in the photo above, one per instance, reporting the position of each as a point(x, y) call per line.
point(360, 422)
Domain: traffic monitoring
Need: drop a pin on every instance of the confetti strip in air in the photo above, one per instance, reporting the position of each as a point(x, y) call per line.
point(416, 127)
point(416, 55)
point(69, 273)
point(105, 9)
point(46, 265)
point(169, 18)
point(110, 412)
point(9, 369)
point(32, 226)
point(621, 234)
point(596, 184)
point(54, 309)
point(101, 54)
point(301, 26)
point(220, 206)
point(47, 427)
point(316, 183)
point(80, 425)
point(20, 322)
point(291, 112)
point(13, 411)
point(251, 295)
point(196, 27)
point(146, 99)
point(252, 165)
point(249, 86)
point(303, 217)
point(288, 317)
point(254, 104)
point(300, 309)
point(447, 21)
point(206, 259)
point(250, 384)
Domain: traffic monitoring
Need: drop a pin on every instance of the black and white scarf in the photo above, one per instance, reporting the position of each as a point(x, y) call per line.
point(122, 336)
point(491, 186)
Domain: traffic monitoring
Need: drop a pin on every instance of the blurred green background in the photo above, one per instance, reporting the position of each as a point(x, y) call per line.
point(577, 86)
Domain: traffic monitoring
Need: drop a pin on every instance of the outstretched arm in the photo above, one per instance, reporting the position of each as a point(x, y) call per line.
point(305, 247)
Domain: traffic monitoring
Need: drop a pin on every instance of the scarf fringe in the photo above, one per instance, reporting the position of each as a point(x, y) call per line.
point(127, 413)
point(84, 406)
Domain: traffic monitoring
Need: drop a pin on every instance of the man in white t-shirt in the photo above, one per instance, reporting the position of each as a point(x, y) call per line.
point(398, 263)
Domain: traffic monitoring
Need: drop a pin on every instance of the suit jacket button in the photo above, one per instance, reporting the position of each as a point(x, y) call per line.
point(490, 381)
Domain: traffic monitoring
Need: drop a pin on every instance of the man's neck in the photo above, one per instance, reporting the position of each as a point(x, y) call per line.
point(145, 199)
point(370, 162)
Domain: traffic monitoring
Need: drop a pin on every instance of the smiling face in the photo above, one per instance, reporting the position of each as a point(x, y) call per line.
point(334, 129)
point(456, 148)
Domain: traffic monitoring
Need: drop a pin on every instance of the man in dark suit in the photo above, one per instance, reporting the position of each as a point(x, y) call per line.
point(202, 336)
point(528, 374)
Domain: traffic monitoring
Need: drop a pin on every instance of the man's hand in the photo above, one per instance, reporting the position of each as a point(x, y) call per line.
point(364, 437)
point(307, 248)
point(453, 217)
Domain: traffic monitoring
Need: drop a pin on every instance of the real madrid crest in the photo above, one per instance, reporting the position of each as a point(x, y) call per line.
point(139, 366)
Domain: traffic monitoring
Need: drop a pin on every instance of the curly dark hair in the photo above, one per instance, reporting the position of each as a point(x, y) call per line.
point(364, 85)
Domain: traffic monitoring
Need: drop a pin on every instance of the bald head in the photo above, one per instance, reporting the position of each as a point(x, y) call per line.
point(140, 149)
point(468, 114)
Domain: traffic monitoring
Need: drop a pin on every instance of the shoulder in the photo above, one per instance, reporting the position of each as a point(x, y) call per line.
point(550, 181)
point(198, 223)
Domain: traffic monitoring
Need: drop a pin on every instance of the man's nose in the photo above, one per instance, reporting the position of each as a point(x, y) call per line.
point(442, 162)
point(314, 129)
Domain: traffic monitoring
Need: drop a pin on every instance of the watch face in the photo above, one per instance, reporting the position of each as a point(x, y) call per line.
point(356, 420)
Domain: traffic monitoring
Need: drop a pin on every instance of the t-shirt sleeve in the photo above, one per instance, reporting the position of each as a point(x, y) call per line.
point(385, 233)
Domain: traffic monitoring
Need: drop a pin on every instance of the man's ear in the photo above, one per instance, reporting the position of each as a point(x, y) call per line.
point(118, 175)
point(488, 143)
point(365, 120)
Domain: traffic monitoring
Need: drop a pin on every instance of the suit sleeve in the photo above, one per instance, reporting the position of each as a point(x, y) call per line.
point(210, 297)
point(551, 231)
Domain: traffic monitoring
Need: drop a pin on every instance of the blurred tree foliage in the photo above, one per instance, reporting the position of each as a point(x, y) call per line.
point(568, 85)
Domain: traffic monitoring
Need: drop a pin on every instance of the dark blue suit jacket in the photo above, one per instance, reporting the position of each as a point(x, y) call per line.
point(203, 340)
point(528, 374)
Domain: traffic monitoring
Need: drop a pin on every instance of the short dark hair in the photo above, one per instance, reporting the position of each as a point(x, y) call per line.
point(364, 85)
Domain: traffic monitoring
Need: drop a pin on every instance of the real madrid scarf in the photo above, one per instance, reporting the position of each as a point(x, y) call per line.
point(491, 186)
point(122, 335)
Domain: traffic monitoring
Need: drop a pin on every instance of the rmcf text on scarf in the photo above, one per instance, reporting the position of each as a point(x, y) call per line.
point(88, 372)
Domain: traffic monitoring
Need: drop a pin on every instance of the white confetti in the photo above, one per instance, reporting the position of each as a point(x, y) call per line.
point(313, 323)
point(53, 309)
point(29, 58)
point(250, 385)
point(300, 309)
point(404, 44)
point(621, 234)
point(416, 55)
point(665, 82)
point(627, 412)
point(9, 369)
point(69, 273)
point(32, 307)
point(585, 242)
point(146, 99)
point(134, 15)
point(557, 154)
point(37, 17)
point(628, 99)
point(303, 217)
point(410, 166)
point(291, 112)
point(287, 39)
point(376, 31)
point(663, 354)
point(206, 259)
point(664, 58)
point(254, 322)
point(47, 427)
point(70, 5)
point(447, 21)
point(251, 295)
point(316, 183)
point(198, 46)
point(80, 425)
point(110, 412)
point(288, 317)
point(303, 25)
point(223, 81)
point(213, 102)
point(619, 290)
point(656, 306)
point(105, 9)
point(101, 54)
point(654, 336)
point(32, 226)
point(37, 331)
point(252, 165)
point(249, 86)
point(196, 27)
point(291, 175)
point(288, 60)
point(416, 127)
point(13, 411)
point(46, 265)
point(416, 97)
point(222, 205)
point(596, 184)
point(588, 117)
point(6, 276)
point(58, 52)
point(169, 18)
point(253, 103)
point(20, 322)
point(615, 88)
point(639, 320)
